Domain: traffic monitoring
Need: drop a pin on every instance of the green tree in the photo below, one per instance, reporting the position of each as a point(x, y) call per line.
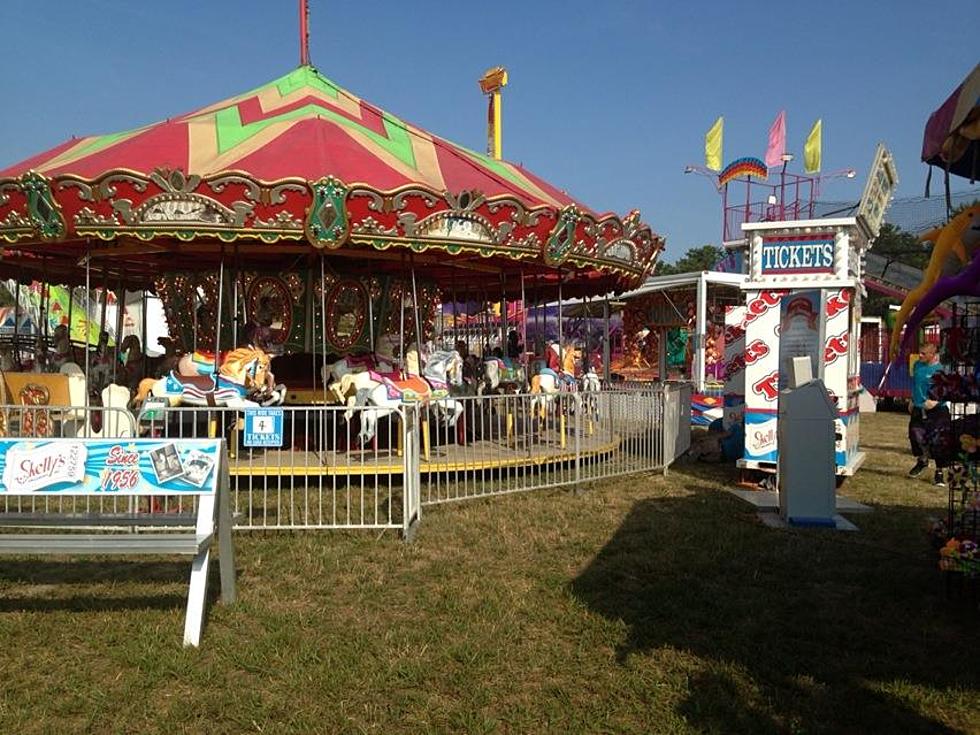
point(696, 259)
point(896, 246)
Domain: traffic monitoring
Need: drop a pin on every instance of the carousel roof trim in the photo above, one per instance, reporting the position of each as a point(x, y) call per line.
point(300, 158)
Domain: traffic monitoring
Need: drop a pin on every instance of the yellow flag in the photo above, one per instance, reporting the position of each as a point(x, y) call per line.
point(712, 145)
point(812, 148)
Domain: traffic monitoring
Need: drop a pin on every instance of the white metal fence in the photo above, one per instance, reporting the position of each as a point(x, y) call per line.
point(329, 475)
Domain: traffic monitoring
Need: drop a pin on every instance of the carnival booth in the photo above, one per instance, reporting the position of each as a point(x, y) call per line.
point(803, 299)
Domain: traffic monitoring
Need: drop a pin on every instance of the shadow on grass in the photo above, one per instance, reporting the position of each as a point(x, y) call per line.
point(39, 584)
point(797, 630)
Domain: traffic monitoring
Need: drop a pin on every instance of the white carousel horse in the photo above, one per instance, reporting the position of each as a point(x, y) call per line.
point(381, 361)
point(444, 371)
point(360, 371)
point(590, 387)
point(385, 393)
point(244, 380)
point(544, 388)
point(117, 421)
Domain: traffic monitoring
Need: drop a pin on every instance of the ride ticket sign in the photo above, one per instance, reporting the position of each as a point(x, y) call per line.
point(107, 466)
point(804, 254)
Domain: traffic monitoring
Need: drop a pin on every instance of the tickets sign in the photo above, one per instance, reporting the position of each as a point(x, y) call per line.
point(798, 254)
point(107, 466)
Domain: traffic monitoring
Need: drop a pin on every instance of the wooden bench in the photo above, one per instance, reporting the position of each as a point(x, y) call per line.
point(98, 470)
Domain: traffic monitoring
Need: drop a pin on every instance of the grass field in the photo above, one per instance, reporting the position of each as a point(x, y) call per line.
point(642, 605)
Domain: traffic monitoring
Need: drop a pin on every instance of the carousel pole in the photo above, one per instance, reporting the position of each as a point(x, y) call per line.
point(120, 308)
point(309, 338)
point(523, 317)
point(503, 313)
point(105, 303)
point(234, 297)
point(144, 331)
point(401, 325)
point(17, 325)
point(323, 325)
point(426, 438)
point(88, 292)
point(370, 315)
point(561, 344)
point(561, 356)
point(71, 303)
point(606, 346)
point(455, 323)
point(217, 314)
point(213, 423)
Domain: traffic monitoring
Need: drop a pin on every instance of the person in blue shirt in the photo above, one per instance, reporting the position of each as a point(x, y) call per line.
point(928, 416)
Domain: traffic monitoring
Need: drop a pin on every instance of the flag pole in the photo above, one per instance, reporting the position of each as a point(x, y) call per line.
point(304, 33)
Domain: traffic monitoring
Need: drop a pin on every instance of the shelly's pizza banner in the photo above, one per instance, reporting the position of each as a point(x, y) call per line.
point(109, 466)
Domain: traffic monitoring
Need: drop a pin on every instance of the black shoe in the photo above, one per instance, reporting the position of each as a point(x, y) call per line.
point(917, 470)
point(938, 480)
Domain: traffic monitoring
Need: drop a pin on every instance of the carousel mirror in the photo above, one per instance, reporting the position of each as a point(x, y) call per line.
point(270, 307)
point(347, 309)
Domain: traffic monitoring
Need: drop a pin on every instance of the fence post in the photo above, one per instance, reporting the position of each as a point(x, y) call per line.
point(411, 480)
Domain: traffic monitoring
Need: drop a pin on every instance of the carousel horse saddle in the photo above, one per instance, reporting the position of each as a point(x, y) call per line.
point(176, 383)
point(412, 388)
point(438, 388)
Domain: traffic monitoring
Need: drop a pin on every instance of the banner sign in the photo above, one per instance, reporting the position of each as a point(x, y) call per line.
point(107, 466)
point(881, 184)
point(263, 427)
point(813, 253)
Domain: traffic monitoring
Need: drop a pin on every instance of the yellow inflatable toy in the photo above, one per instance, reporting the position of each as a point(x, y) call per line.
point(952, 250)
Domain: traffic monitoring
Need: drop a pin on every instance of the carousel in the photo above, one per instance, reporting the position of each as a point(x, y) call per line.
point(302, 243)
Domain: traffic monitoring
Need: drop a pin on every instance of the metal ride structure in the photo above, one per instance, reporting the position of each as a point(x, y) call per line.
point(301, 220)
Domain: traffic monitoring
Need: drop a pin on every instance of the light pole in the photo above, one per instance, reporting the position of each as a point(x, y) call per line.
point(786, 158)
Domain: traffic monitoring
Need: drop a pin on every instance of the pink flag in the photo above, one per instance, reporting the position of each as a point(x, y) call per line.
point(777, 141)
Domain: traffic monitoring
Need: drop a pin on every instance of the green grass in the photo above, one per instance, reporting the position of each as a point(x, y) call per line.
point(643, 605)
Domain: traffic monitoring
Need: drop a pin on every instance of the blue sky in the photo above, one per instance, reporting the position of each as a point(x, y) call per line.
point(608, 101)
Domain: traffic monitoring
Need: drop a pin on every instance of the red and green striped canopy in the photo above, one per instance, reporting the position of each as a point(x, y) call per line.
point(300, 125)
point(301, 159)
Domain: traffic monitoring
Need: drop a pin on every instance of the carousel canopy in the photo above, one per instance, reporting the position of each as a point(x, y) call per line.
point(297, 165)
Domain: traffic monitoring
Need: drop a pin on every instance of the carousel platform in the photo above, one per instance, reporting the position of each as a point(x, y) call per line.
point(475, 456)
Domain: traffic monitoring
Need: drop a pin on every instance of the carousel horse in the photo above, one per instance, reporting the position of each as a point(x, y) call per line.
point(545, 386)
point(382, 360)
point(955, 246)
point(62, 347)
point(244, 380)
point(364, 377)
point(504, 371)
point(117, 421)
point(385, 393)
point(590, 385)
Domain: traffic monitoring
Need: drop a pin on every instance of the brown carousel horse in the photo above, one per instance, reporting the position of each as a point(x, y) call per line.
point(244, 380)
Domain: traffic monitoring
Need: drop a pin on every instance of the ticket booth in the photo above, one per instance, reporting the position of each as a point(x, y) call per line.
point(802, 299)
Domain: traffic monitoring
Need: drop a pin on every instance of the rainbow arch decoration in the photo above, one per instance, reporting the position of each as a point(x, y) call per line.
point(743, 167)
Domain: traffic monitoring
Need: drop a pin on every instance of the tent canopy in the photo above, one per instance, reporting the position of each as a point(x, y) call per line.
point(952, 134)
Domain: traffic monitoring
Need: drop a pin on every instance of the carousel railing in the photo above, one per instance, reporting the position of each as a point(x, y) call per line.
point(322, 476)
point(377, 469)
